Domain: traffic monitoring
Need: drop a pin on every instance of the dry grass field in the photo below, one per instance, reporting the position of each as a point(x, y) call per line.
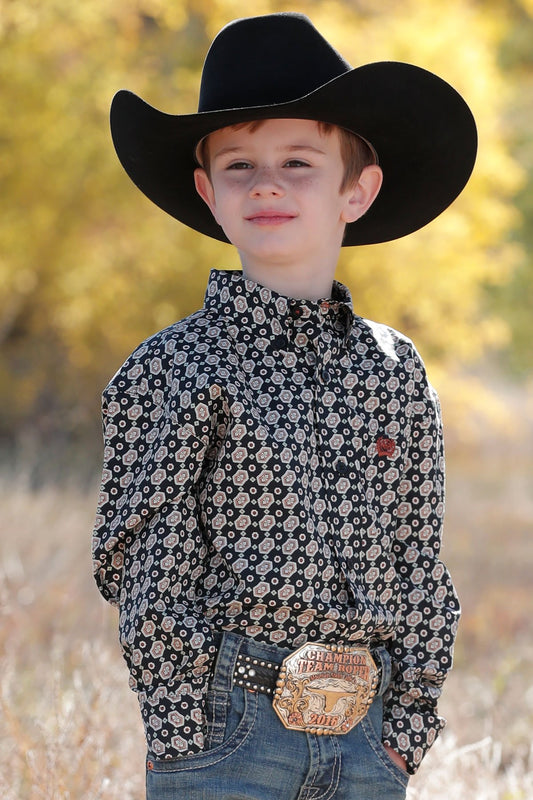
point(69, 726)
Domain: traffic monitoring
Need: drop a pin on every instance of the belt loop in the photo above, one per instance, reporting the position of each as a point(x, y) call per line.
point(229, 647)
point(383, 656)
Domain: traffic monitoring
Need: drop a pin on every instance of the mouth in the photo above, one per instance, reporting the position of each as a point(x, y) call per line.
point(270, 217)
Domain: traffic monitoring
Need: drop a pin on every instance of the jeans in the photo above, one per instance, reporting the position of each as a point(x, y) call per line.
point(250, 755)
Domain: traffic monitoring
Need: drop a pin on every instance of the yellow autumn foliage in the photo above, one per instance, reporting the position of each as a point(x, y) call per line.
point(89, 267)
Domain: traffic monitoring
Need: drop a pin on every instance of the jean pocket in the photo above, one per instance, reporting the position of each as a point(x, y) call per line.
point(372, 726)
point(230, 722)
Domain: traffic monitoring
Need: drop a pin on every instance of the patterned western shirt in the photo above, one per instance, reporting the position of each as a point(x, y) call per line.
point(274, 467)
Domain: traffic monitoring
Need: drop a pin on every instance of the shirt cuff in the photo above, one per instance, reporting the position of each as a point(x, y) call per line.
point(410, 728)
point(174, 719)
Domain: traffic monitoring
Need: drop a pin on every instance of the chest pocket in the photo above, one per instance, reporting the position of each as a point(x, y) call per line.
point(380, 436)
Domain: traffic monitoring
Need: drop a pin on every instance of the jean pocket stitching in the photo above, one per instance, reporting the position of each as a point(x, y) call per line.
point(217, 706)
point(400, 775)
point(208, 758)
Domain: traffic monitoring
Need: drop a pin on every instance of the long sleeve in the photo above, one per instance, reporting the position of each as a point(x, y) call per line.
point(147, 464)
point(422, 648)
point(148, 547)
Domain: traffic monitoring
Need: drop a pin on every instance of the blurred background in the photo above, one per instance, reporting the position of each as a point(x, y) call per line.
point(89, 268)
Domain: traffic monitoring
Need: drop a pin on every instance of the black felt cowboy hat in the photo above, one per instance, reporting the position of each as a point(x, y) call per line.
point(279, 66)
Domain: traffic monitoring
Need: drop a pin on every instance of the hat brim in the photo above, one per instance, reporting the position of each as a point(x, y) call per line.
point(421, 128)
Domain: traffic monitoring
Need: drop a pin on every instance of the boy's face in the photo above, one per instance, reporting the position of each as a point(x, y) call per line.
point(275, 191)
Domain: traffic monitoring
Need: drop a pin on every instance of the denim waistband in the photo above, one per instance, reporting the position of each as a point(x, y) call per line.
point(230, 644)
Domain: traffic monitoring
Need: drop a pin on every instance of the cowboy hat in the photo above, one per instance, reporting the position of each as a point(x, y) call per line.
point(279, 66)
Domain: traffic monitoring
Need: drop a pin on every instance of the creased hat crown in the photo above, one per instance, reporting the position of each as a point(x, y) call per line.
point(267, 60)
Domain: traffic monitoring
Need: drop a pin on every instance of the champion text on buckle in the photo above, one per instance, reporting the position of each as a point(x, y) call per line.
point(325, 689)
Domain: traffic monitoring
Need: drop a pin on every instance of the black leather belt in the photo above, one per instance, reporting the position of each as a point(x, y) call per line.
point(256, 674)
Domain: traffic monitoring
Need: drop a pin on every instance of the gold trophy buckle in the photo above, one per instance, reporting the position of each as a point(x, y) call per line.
point(324, 688)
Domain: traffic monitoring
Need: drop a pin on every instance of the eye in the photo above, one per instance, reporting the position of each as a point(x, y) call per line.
point(239, 165)
point(296, 162)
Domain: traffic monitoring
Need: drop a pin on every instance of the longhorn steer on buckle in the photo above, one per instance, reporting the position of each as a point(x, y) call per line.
point(325, 689)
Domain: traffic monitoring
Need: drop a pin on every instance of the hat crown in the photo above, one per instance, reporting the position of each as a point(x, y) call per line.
point(267, 60)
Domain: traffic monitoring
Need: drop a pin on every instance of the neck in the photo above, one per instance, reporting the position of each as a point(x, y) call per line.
point(301, 283)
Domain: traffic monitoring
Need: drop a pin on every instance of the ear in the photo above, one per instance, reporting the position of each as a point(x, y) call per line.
point(204, 187)
point(362, 195)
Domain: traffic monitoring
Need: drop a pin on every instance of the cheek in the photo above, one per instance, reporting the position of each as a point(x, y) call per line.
point(222, 199)
point(232, 181)
point(301, 182)
point(315, 193)
point(230, 192)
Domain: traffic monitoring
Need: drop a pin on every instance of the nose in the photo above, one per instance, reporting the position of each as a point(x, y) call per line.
point(266, 183)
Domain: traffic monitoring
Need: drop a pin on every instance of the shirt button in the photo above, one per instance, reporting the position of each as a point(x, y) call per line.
point(296, 311)
point(342, 466)
point(279, 343)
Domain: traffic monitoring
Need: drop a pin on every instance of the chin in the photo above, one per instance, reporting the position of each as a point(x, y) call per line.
point(275, 255)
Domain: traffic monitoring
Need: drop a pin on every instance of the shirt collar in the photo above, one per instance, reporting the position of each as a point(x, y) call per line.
point(249, 304)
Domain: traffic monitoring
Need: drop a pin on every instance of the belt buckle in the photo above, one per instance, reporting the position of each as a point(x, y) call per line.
point(325, 688)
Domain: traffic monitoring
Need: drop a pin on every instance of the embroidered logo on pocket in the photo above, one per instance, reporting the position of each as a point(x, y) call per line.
point(385, 446)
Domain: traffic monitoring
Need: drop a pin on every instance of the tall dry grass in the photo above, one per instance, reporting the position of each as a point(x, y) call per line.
point(70, 728)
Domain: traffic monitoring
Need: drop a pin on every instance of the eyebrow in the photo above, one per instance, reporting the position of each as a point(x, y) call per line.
point(289, 148)
point(309, 147)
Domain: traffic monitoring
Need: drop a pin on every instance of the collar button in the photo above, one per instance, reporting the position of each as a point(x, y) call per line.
point(279, 342)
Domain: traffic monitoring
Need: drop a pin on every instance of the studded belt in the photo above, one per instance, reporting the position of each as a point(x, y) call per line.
point(256, 674)
point(320, 688)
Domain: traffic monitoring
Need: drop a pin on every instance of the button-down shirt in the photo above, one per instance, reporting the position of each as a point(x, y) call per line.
point(274, 467)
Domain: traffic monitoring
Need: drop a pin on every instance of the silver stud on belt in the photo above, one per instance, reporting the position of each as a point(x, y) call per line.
point(246, 673)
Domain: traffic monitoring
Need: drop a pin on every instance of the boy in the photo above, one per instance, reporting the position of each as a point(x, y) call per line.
point(271, 508)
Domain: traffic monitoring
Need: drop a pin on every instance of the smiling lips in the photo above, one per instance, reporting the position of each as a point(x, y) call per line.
point(270, 217)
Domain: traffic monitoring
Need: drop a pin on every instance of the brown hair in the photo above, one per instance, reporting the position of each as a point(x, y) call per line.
point(356, 153)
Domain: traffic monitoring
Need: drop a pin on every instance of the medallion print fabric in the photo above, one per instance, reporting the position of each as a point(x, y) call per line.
point(274, 467)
